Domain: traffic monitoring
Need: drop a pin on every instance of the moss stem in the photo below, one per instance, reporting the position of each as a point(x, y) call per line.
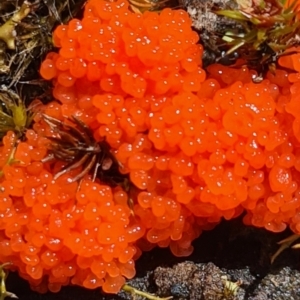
point(7, 30)
point(3, 292)
point(133, 291)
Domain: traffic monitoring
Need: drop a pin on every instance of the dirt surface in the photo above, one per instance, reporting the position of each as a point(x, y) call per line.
point(212, 27)
point(231, 262)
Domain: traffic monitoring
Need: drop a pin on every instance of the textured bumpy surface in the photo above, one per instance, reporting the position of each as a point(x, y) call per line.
point(197, 147)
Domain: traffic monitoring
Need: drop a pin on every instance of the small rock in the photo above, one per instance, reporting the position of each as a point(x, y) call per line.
point(282, 286)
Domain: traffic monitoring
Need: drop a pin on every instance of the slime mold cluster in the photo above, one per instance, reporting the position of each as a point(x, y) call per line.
point(193, 147)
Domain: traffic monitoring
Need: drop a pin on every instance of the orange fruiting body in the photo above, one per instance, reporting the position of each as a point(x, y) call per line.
point(198, 147)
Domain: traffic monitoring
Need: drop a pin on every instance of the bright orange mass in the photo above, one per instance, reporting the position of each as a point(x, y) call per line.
point(198, 146)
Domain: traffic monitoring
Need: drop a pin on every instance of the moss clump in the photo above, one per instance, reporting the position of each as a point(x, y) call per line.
point(268, 29)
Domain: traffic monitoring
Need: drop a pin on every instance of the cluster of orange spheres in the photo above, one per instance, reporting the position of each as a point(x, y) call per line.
point(198, 147)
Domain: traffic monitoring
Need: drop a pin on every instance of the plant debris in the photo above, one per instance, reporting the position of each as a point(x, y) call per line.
point(25, 39)
point(135, 292)
point(252, 33)
point(74, 144)
point(7, 30)
point(212, 27)
point(3, 291)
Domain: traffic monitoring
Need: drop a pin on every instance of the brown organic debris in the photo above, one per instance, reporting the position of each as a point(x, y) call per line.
point(284, 244)
point(25, 39)
point(73, 143)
